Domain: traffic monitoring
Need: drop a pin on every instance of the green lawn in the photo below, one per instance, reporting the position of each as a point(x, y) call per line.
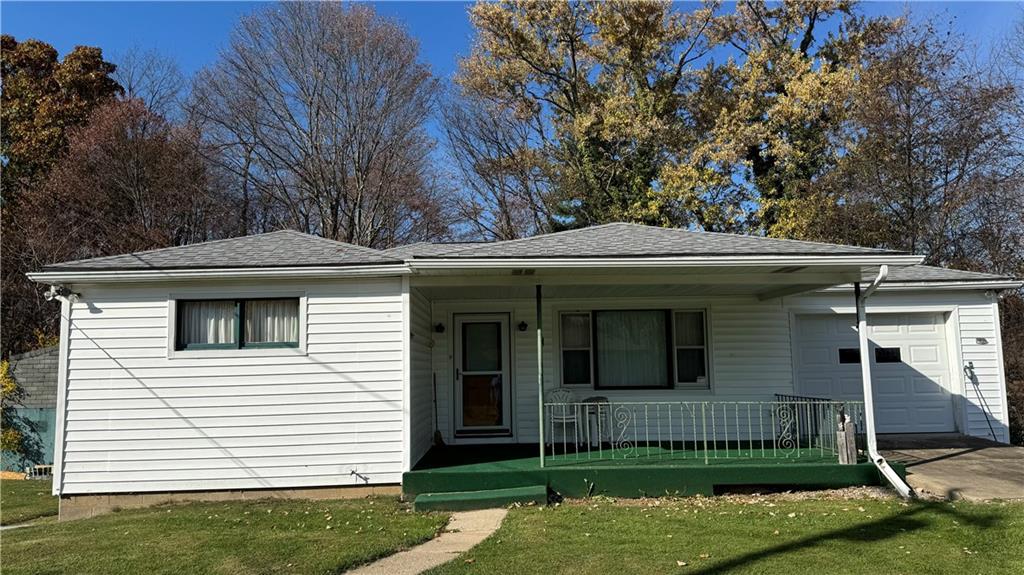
point(753, 535)
point(222, 538)
point(24, 500)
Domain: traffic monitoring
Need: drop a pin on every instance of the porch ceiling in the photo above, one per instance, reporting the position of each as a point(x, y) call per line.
point(765, 282)
point(586, 291)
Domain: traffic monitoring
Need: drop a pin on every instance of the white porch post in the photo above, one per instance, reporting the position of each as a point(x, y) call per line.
point(540, 375)
point(865, 370)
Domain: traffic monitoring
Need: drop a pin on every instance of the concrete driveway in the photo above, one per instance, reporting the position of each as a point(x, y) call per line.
point(954, 466)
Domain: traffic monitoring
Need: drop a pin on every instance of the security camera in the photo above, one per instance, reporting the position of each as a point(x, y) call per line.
point(56, 292)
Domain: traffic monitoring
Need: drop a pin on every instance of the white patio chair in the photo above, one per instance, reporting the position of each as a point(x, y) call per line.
point(561, 413)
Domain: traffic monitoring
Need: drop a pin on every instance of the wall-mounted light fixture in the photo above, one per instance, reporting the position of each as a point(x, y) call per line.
point(439, 328)
point(522, 326)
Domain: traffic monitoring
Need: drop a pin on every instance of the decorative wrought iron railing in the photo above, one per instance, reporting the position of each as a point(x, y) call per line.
point(791, 427)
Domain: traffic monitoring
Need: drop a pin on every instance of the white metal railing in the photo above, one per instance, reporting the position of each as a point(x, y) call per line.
point(789, 427)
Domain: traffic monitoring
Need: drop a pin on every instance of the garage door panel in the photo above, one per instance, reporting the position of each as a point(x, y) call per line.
point(930, 418)
point(926, 386)
point(885, 324)
point(818, 387)
point(924, 354)
point(910, 396)
point(850, 388)
point(817, 355)
point(815, 326)
point(891, 386)
point(892, 418)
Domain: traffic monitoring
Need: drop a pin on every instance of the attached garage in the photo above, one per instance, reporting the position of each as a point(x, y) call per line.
point(910, 367)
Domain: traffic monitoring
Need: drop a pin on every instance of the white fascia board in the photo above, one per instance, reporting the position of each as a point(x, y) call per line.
point(106, 276)
point(663, 262)
point(938, 285)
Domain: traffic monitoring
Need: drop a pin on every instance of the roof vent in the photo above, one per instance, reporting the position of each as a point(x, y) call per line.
point(789, 269)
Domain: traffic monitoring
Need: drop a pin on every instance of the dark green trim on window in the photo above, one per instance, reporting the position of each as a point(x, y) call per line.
point(207, 346)
point(239, 342)
point(270, 344)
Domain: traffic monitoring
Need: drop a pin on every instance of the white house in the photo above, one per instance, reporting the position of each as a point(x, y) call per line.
point(287, 361)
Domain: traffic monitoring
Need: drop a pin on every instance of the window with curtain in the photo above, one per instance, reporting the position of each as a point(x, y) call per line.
point(634, 349)
point(234, 324)
point(691, 349)
point(271, 321)
point(631, 349)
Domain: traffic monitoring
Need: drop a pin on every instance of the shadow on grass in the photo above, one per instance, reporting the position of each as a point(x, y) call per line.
point(906, 521)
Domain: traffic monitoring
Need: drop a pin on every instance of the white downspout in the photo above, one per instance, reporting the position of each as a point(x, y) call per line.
point(888, 472)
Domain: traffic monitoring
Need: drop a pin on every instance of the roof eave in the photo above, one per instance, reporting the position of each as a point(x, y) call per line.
point(896, 260)
point(997, 285)
point(311, 272)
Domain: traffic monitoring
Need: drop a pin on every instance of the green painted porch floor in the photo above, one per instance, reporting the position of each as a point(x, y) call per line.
point(524, 457)
point(657, 472)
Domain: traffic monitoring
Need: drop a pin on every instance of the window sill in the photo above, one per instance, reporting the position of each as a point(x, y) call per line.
point(237, 352)
point(678, 387)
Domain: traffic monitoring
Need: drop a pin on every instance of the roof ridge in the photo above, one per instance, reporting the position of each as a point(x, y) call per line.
point(299, 239)
point(674, 230)
point(337, 243)
point(547, 235)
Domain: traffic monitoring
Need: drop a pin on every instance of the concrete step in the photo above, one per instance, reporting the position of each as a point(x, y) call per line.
point(467, 500)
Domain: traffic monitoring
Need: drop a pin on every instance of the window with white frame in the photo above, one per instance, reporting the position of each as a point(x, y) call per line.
point(577, 361)
point(237, 323)
point(634, 349)
point(691, 349)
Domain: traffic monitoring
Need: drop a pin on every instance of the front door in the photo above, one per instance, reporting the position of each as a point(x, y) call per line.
point(482, 404)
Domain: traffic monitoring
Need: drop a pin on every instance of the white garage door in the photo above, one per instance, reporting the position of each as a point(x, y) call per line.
point(909, 367)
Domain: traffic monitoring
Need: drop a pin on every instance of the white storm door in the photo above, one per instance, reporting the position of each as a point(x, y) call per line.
point(482, 399)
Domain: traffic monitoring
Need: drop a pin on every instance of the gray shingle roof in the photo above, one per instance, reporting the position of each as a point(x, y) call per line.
point(427, 249)
point(629, 240)
point(288, 248)
point(934, 274)
point(285, 248)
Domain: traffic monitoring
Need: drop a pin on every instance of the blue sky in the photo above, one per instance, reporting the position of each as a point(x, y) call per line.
point(193, 32)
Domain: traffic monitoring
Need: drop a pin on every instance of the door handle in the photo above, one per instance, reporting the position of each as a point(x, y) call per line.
point(458, 374)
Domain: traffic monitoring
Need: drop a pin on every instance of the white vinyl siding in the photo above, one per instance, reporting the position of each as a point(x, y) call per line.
point(980, 345)
point(421, 397)
point(140, 417)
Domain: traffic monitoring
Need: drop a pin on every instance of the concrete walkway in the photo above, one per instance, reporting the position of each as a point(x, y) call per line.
point(466, 529)
point(953, 466)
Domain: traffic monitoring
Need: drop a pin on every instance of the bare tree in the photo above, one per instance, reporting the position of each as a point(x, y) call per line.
point(936, 165)
point(506, 182)
point(320, 111)
point(153, 78)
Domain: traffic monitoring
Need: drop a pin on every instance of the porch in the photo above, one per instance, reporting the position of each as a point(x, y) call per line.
point(656, 448)
point(625, 385)
point(459, 470)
